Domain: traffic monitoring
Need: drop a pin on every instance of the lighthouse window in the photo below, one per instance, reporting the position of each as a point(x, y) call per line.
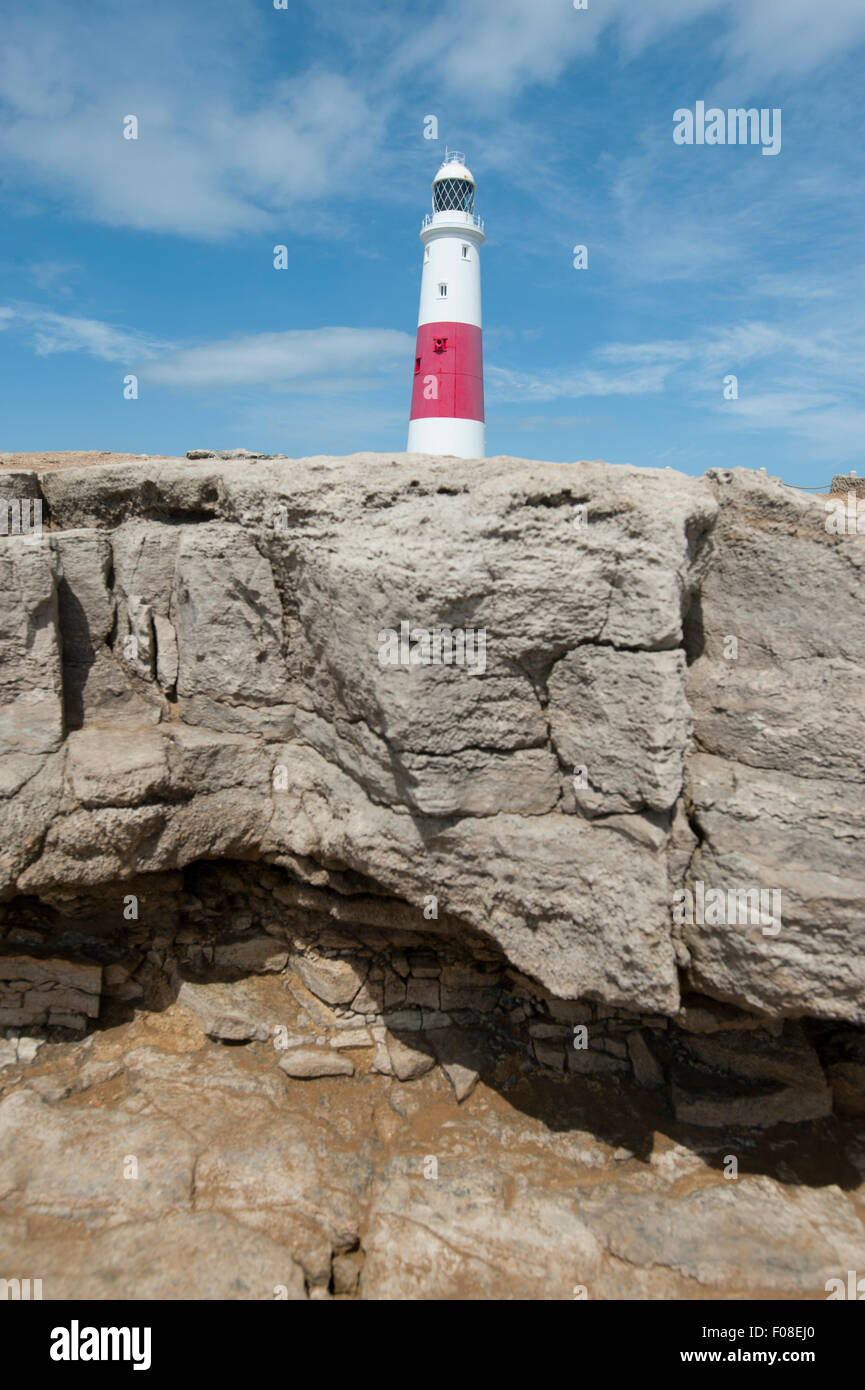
point(453, 195)
point(443, 291)
point(465, 253)
point(416, 365)
point(426, 253)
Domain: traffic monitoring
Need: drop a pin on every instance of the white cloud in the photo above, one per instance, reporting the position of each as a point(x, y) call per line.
point(495, 48)
point(218, 152)
point(223, 151)
point(831, 427)
point(817, 348)
point(48, 273)
point(50, 332)
point(201, 170)
point(801, 380)
point(507, 385)
point(350, 356)
point(320, 360)
point(773, 37)
point(551, 422)
point(664, 351)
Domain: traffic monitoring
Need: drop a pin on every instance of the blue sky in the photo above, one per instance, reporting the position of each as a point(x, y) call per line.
point(305, 127)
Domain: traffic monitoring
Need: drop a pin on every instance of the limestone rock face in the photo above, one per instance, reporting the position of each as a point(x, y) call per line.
point(211, 658)
point(305, 1063)
point(58, 992)
point(31, 682)
point(776, 777)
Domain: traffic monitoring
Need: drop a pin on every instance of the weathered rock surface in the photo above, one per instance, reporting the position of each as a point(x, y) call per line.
point(207, 638)
point(62, 993)
point(266, 863)
point(334, 981)
point(310, 1062)
point(776, 779)
point(171, 1166)
point(226, 1012)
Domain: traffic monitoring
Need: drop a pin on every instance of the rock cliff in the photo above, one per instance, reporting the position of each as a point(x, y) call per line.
point(478, 765)
point(192, 671)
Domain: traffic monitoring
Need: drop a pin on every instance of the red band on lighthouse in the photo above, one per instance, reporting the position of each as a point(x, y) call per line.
point(449, 372)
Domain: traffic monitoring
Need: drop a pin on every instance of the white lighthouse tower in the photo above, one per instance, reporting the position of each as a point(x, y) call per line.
point(447, 402)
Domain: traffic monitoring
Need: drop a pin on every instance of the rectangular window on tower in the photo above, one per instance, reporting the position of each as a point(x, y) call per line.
point(465, 253)
point(416, 365)
point(443, 291)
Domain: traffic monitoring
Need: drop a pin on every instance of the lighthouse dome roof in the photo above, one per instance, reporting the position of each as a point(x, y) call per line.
point(453, 187)
point(454, 167)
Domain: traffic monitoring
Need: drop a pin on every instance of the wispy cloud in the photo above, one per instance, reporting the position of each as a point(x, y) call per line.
point(495, 48)
point(559, 422)
point(832, 426)
point(49, 332)
point(778, 37)
point(215, 155)
point(568, 384)
point(319, 359)
point(664, 352)
point(802, 380)
point(348, 357)
point(219, 155)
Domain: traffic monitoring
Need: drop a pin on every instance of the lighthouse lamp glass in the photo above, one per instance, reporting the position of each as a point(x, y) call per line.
point(453, 195)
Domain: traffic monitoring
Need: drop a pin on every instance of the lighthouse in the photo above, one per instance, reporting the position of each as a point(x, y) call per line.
point(447, 399)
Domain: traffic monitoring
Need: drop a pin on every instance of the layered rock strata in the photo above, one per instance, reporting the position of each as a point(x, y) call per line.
point(192, 671)
point(614, 850)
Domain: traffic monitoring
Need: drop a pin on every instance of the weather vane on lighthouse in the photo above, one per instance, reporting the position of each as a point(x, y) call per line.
point(447, 401)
